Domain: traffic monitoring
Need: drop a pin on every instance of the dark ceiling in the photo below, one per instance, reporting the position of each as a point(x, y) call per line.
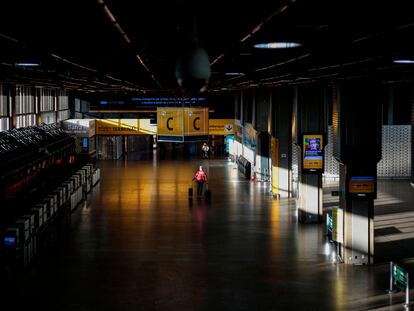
point(96, 45)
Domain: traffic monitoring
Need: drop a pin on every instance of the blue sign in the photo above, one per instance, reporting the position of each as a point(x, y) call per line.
point(229, 138)
point(9, 241)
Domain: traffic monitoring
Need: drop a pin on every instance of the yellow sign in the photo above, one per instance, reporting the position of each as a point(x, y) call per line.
point(275, 165)
point(337, 225)
point(196, 121)
point(124, 127)
point(170, 121)
point(313, 152)
point(221, 126)
point(362, 184)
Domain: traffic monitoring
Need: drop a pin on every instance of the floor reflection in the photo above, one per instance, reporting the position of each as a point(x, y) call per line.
point(141, 244)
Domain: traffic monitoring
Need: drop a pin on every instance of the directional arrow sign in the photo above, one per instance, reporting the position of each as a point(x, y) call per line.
point(229, 128)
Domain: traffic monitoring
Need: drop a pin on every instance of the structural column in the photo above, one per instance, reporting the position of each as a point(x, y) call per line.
point(412, 141)
point(357, 145)
point(309, 113)
point(262, 127)
point(281, 142)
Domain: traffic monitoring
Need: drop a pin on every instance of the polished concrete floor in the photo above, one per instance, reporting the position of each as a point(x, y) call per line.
point(139, 243)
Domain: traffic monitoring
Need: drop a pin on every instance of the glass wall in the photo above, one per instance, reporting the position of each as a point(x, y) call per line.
point(22, 105)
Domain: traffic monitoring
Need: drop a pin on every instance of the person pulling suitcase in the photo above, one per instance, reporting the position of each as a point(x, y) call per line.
point(201, 178)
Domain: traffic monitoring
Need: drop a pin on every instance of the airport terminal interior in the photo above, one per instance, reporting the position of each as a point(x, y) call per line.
point(188, 155)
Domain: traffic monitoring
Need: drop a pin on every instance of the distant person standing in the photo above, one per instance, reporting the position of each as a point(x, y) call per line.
point(201, 177)
point(204, 151)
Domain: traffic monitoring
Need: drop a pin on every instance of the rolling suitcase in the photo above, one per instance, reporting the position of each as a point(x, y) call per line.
point(190, 192)
point(207, 193)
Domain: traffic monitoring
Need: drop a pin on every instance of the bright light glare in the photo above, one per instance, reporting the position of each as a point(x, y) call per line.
point(277, 45)
point(234, 74)
point(403, 61)
point(27, 64)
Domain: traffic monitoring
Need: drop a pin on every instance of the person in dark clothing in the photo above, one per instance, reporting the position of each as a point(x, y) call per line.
point(201, 177)
point(204, 151)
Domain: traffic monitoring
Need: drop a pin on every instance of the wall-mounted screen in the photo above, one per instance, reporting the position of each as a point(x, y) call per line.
point(362, 184)
point(313, 152)
point(9, 241)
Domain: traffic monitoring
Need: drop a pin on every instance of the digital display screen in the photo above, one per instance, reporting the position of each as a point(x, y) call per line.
point(9, 241)
point(361, 185)
point(85, 142)
point(124, 102)
point(312, 152)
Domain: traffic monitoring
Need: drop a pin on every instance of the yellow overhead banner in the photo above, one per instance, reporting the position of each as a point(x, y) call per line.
point(182, 121)
point(124, 127)
point(195, 121)
point(221, 126)
point(170, 121)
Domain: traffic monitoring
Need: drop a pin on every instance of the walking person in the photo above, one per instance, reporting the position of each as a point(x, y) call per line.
point(204, 151)
point(201, 177)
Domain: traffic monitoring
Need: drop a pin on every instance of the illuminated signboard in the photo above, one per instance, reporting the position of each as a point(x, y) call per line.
point(123, 102)
point(196, 121)
point(313, 152)
point(361, 185)
point(9, 241)
point(221, 126)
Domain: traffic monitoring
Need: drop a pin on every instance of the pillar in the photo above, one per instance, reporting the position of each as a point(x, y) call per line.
point(262, 127)
point(281, 129)
point(357, 145)
point(309, 104)
point(412, 141)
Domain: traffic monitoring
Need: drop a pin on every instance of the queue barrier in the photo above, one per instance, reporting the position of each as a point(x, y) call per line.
point(244, 166)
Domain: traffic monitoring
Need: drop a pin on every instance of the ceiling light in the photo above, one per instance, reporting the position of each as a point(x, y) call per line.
point(234, 74)
point(403, 61)
point(277, 45)
point(27, 64)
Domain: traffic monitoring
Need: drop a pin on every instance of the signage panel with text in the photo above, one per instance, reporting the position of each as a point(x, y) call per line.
point(195, 121)
point(170, 121)
point(313, 152)
point(221, 126)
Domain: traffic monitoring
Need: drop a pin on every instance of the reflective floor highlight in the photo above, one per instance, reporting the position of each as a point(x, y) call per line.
point(139, 243)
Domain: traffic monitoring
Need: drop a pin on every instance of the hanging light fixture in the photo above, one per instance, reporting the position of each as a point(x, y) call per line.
point(192, 69)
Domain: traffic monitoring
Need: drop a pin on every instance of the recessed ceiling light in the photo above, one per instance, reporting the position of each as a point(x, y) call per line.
point(403, 61)
point(27, 64)
point(277, 45)
point(234, 74)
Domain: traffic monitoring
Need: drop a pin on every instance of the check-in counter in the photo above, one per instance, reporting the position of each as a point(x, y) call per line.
point(24, 224)
point(96, 176)
point(38, 212)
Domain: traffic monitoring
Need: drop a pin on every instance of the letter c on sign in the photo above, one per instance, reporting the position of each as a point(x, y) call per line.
point(195, 124)
point(168, 123)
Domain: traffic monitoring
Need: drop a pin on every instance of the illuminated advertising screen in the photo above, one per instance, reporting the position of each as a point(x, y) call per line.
point(312, 152)
point(9, 241)
point(362, 185)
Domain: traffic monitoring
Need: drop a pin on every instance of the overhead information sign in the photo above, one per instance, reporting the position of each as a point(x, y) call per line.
point(195, 121)
point(79, 127)
point(170, 121)
point(221, 126)
point(117, 102)
point(124, 127)
point(176, 123)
